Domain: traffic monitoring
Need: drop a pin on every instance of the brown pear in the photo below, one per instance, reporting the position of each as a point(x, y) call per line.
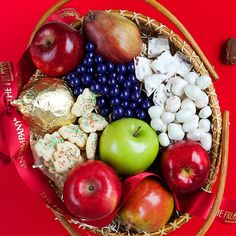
point(116, 38)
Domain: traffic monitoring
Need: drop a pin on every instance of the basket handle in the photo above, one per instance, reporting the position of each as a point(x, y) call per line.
point(222, 177)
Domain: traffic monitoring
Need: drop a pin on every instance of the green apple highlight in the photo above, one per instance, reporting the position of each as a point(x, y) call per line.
point(129, 145)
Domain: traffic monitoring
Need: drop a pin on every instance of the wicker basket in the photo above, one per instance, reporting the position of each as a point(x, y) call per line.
point(151, 27)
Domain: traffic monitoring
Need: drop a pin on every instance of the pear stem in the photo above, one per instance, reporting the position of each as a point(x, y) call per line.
point(137, 131)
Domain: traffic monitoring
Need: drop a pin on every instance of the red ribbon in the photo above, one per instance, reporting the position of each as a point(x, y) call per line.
point(14, 142)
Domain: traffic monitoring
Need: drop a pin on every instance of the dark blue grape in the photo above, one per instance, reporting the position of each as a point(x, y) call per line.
point(118, 111)
point(133, 105)
point(132, 79)
point(136, 88)
point(115, 91)
point(86, 79)
point(110, 67)
point(127, 84)
point(78, 90)
point(135, 96)
point(70, 76)
point(101, 68)
point(145, 104)
point(129, 113)
point(90, 54)
point(80, 69)
point(101, 101)
point(89, 46)
point(125, 104)
point(130, 67)
point(105, 90)
point(113, 117)
point(140, 114)
point(95, 87)
point(121, 69)
point(74, 82)
point(104, 111)
point(114, 101)
point(120, 78)
point(102, 79)
point(90, 70)
point(125, 94)
point(111, 81)
point(88, 61)
point(113, 75)
point(98, 59)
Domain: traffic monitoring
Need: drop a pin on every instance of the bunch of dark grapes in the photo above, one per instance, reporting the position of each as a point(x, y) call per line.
point(119, 93)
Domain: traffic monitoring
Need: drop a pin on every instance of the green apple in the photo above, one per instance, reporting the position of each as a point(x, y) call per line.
point(129, 145)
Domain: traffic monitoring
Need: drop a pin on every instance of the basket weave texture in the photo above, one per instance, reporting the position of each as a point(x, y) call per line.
point(150, 27)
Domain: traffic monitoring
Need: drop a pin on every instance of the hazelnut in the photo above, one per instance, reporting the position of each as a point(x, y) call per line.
point(230, 52)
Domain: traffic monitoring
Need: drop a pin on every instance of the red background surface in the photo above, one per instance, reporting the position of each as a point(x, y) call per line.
point(210, 22)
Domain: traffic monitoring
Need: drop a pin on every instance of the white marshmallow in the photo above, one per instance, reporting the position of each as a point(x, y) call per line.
point(206, 141)
point(188, 104)
point(203, 81)
point(142, 68)
point(155, 111)
point(178, 85)
point(184, 65)
point(175, 131)
point(164, 139)
point(192, 92)
point(160, 65)
point(184, 115)
point(191, 124)
point(152, 82)
point(203, 101)
point(205, 112)
point(172, 104)
point(158, 125)
point(156, 46)
point(204, 125)
point(167, 117)
point(191, 77)
point(195, 135)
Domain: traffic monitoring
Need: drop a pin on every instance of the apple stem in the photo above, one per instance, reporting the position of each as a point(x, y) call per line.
point(136, 132)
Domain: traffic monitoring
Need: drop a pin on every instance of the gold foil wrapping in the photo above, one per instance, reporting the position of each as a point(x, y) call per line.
point(46, 105)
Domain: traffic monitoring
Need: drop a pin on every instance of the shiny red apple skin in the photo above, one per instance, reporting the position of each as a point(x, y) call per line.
point(185, 166)
point(56, 48)
point(92, 190)
point(149, 207)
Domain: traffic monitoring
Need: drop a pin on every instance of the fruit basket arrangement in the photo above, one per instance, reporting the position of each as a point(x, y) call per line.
point(123, 120)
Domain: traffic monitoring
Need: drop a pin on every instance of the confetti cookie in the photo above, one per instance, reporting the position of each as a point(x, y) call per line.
point(91, 146)
point(84, 104)
point(46, 147)
point(66, 156)
point(74, 134)
point(92, 123)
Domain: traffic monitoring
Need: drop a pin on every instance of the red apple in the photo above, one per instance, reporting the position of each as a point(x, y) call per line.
point(56, 48)
point(92, 190)
point(185, 166)
point(149, 206)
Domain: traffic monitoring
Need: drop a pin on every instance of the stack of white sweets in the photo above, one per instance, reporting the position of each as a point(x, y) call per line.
point(181, 107)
